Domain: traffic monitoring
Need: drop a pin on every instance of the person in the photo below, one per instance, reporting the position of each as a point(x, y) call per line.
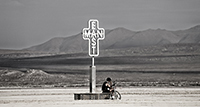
point(107, 87)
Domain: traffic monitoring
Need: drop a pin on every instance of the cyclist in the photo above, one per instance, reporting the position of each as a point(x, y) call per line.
point(107, 86)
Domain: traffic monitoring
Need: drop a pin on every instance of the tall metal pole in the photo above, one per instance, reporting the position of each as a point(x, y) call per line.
point(93, 34)
point(92, 77)
point(93, 61)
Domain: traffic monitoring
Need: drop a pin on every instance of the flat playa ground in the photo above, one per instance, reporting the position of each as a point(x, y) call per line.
point(131, 97)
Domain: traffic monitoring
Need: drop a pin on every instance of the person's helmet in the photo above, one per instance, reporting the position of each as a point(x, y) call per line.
point(108, 79)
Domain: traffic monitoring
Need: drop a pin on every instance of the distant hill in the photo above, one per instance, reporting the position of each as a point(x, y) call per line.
point(191, 35)
point(31, 78)
point(120, 38)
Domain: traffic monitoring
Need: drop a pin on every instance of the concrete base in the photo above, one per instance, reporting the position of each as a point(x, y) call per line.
point(91, 96)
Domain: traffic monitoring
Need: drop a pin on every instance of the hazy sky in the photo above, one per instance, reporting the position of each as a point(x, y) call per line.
point(24, 23)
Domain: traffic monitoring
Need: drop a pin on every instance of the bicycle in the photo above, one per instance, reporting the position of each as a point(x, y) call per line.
point(115, 95)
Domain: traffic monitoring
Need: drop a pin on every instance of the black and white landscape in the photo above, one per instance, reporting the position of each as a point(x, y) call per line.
point(154, 57)
point(151, 50)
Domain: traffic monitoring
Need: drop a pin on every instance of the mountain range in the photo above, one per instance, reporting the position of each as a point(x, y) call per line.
point(121, 38)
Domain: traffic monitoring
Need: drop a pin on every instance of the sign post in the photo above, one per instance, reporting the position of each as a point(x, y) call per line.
point(93, 34)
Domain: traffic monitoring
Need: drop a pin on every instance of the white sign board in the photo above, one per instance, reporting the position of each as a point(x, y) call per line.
point(93, 34)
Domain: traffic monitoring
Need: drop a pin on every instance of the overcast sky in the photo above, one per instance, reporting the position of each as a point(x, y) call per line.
point(24, 23)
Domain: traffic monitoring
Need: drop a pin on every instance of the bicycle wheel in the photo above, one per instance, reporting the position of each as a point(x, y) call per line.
point(117, 95)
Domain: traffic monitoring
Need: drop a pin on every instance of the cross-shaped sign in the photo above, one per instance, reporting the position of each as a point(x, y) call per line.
point(93, 34)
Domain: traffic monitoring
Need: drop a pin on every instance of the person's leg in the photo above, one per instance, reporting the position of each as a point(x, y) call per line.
point(112, 94)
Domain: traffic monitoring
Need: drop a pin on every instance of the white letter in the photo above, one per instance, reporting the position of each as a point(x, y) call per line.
point(93, 25)
point(100, 33)
point(86, 34)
